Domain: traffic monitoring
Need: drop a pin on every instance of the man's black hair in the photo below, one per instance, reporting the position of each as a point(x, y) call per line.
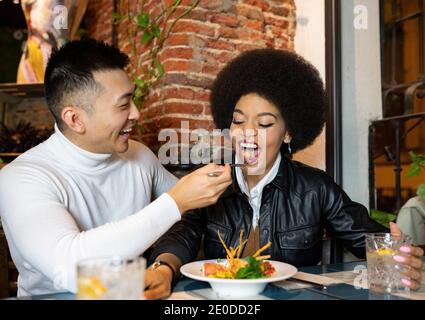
point(69, 73)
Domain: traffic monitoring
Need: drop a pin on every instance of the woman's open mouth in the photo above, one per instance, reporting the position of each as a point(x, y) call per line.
point(250, 151)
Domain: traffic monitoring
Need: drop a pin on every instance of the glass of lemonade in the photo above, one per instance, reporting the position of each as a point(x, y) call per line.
point(383, 272)
point(111, 279)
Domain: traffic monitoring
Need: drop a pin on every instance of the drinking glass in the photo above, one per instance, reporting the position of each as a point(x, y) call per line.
point(111, 279)
point(384, 273)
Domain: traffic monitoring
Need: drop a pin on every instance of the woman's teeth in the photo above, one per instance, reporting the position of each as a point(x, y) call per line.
point(250, 152)
point(249, 145)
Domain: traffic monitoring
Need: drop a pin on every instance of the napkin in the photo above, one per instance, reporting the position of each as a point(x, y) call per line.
point(316, 279)
point(183, 295)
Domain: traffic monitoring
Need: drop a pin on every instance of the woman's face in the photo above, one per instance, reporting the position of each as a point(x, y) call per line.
point(257, 127)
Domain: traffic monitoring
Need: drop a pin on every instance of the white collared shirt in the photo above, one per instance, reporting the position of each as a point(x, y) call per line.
point(255, 194)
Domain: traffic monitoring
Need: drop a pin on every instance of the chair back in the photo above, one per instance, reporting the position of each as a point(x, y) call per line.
point(8, 271)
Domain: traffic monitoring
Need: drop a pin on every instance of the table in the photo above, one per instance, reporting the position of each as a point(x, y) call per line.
point(348, 283)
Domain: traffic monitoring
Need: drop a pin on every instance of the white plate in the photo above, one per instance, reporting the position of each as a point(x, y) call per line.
point(237, 287)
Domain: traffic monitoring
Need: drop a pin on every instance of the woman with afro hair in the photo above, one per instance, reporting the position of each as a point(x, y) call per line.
point(278, 96)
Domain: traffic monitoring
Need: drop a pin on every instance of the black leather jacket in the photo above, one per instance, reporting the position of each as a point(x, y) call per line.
point(296, 207)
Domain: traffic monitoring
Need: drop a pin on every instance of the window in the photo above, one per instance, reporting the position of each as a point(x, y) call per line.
point(403, 95)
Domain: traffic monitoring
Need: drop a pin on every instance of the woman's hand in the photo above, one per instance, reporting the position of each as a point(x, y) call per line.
point(158, 283)
point(413, 276)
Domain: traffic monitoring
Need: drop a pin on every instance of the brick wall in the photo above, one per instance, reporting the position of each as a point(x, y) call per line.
point(98, 19)
point(200, 45)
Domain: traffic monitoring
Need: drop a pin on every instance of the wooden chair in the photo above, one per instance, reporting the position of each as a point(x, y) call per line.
point(8, 271)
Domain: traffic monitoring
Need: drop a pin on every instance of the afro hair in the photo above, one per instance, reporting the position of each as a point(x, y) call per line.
point(284, 78)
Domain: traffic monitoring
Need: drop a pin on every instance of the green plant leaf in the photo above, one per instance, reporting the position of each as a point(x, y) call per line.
point(421, 191)
point(155, 30)
point(140, 83)
point(143, 20)
point(1, 160)
point(159, 68)
point(138, 92)
point(413, 155)
point(418, 162)
point(414, 170)
point(383, 218)
point(137, 101)
point(147, 36)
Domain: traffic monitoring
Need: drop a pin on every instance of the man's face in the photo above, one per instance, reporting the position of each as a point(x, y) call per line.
point(114, 114)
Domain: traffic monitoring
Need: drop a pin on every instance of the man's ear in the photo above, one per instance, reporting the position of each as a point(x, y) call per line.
point(74, 119)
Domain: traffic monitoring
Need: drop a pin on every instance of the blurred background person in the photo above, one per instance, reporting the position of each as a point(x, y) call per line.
point(411, 220)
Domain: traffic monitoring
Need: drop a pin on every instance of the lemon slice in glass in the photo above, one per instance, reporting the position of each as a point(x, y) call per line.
point(385, 251)
point(90, 288)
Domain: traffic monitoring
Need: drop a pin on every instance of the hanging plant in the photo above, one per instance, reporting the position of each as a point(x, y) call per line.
point(418, 164)
point(150, 31)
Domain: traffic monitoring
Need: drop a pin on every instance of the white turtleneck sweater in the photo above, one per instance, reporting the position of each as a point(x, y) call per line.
point(60, 204)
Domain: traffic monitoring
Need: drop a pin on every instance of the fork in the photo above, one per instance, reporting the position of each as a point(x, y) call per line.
point(218, 173)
